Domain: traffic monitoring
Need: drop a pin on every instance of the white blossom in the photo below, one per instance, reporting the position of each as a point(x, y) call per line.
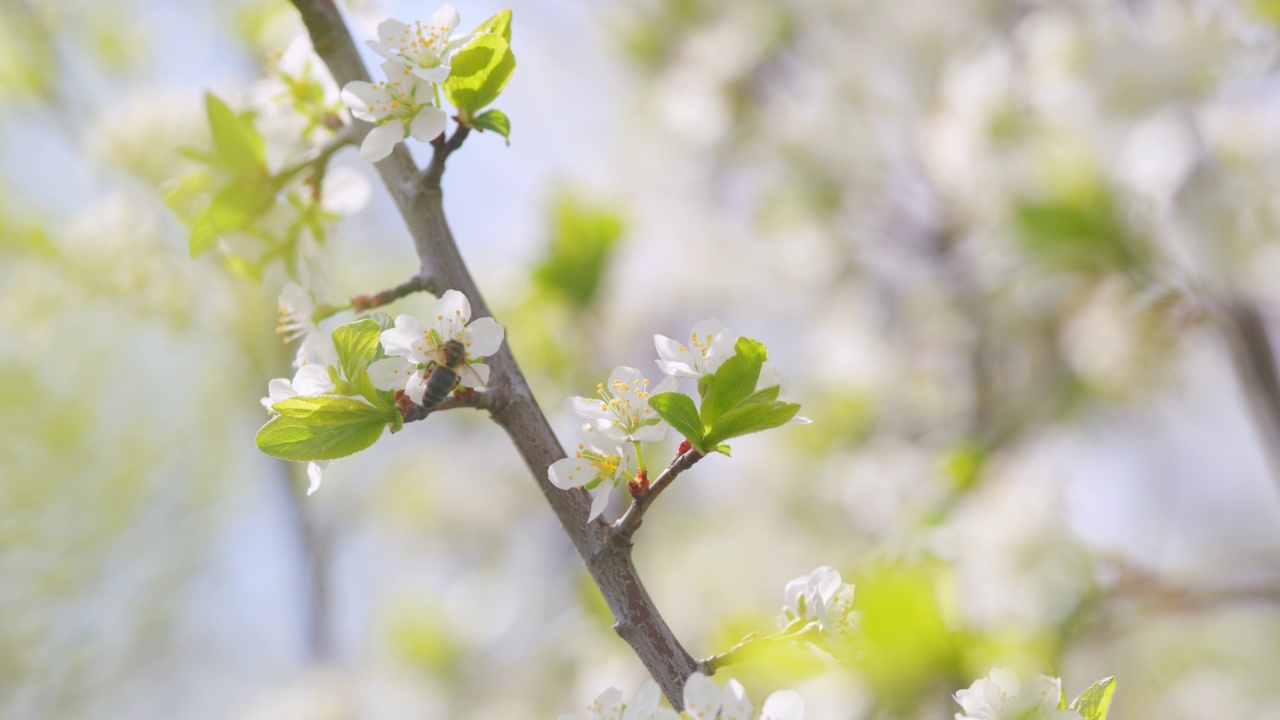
point(297, 309)
point(644, 705)
point(426, 50)
point(820, 597)
point(709, 345)
point(401, 106)
point(413, 348)
point(704, 700)
point(599, 462)
point(311, 379)
point(1001, 696)
point(622, 409)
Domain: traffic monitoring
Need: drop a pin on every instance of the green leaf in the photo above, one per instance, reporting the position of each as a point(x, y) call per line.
point(230, 210)
point(768, 394)
point(480, 71)
point(1095, 702)
point(499, 24)
point(293, 439)
point(331, 410)
point(748, 418)
point(494, 120)
point(357, 344)
point(734, 382)
point(583, 238)
point(678, 409)
point(236, 144)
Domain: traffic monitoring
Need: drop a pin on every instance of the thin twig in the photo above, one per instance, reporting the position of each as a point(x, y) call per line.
point(365, 303)
point(754, 643)
point(491, 400)
point(631, 519)
point(441, 150)
point(1255, 362)
point(346, 136)
point(420, 201)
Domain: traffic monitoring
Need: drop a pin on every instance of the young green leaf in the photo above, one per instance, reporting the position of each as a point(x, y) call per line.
point(748, 418)
point(499, 24)
point(1095, 702)
point(494, 120)
point(331, 410)
point(735, 381)
point(678, 409)
point(480, 71)
point(357, 344)
point(768, 394)
point(293, 439)
point(237, 146)
point(231, 209)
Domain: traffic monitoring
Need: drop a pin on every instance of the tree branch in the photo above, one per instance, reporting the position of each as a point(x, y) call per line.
point(417, 283)
point(419, 199)
point(630, 521)
point(1255, 362)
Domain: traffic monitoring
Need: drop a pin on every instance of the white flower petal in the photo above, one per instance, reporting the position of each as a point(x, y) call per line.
point(783, 705)
point(315, 471)
point(649, 433)
point(735, 704)
point(701, 697)
point(277, 390)
point(571, 473)
point(390, 30)
point(416, 387)
point(483, 337)
point(628, 376)
point(601, 500)
point(391, 373)
point(446, 18)
point(644, 702)
point(608, 704)
point(436, 74)
point(312, 380)
point(358, 95)
point(482, 372)
point(668, 384)
point(381, 140)
point(824, 581)
point(428, 124)
point(590, 408)
point(677, 369)
point(405, 337)
point(453, 312)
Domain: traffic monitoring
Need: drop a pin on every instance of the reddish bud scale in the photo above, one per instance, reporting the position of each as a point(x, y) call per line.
point(639, 487)
point(465, 394)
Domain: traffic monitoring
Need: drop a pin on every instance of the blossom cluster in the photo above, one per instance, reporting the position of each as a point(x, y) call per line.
point(703, 700)
point(1001, 696)
point(619, 418)
point(411, 352)
point(821, 600)
point(407, 103)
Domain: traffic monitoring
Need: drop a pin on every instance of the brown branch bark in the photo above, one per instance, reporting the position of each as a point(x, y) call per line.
point(365, 303)
point(1255, 361)
point(419, 199)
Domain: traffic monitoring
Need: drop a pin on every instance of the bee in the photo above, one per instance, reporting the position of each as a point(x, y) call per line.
point(449, 366)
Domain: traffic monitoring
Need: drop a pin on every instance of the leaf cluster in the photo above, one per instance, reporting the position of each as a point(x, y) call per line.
point(351, 419)
point(731, 405)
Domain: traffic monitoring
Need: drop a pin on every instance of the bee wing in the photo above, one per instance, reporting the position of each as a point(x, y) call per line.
point(473, 375)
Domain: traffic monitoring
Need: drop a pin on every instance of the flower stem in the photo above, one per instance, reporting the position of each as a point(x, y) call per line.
point(640, 468)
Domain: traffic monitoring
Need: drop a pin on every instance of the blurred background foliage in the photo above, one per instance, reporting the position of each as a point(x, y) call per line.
point(1019, 259)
